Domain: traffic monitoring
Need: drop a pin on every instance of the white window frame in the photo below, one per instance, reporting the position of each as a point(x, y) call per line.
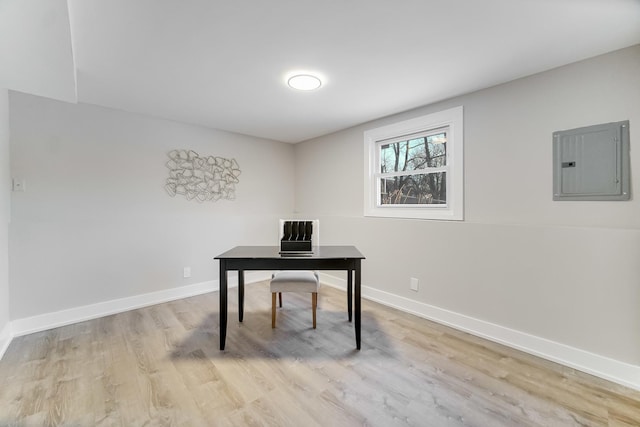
point(453, 209)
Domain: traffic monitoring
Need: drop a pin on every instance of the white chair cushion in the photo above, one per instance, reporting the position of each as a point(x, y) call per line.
point(295, 281)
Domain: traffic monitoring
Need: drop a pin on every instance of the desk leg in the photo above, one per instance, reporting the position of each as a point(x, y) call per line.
point(358, 305)
point(240, 295)
point(350, 293)
point(223, 303)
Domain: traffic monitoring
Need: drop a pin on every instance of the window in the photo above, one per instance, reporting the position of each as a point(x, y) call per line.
point(414, 168)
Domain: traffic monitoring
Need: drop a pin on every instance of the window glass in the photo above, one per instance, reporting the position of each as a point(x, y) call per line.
point(426, 189)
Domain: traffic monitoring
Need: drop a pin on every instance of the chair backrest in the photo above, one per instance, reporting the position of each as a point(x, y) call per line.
point(315, 225)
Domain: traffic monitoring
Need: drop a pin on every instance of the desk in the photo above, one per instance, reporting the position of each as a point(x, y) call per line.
point(243, 258)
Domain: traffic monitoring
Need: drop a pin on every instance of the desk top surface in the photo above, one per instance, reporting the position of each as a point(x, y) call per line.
point(273, 252)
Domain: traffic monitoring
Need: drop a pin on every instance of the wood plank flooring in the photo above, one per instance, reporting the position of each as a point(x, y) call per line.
point(160, 366)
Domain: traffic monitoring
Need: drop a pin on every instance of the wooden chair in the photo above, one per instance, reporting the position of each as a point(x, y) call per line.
point(294, 281)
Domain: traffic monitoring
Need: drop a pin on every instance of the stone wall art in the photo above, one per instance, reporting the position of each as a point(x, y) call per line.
point(201, 178)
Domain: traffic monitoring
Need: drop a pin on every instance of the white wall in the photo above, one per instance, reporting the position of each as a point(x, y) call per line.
point(568, 272)
point(95, 222)
point(5, 198)
point(36, 53)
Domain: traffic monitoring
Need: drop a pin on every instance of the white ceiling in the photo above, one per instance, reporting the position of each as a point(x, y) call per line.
point(222, 63)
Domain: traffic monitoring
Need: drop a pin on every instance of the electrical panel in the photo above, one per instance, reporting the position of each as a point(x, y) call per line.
point(592, 163)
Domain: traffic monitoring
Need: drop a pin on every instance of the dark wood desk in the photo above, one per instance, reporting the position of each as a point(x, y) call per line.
point(243, 258)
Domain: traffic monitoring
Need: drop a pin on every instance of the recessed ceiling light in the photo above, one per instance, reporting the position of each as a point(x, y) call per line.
point(304, 82)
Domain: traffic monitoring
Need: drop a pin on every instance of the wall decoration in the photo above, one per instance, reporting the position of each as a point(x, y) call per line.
point(201, 178)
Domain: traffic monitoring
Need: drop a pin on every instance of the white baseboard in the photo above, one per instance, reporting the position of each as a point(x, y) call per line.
point(56, 319)
point(6, 335)
point(613, 370)
point(603, 367)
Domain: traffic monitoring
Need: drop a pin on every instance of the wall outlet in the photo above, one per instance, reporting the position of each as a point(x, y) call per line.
point(19, 184)
point(187, 272)
point(413, 284)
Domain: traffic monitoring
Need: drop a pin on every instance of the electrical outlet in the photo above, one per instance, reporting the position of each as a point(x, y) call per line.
point(413, 284)
point(187, 272)
point(19, 184)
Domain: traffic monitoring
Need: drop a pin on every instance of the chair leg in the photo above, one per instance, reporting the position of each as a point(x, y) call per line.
point(314, 305)
point(280, 298)
point(273, 310)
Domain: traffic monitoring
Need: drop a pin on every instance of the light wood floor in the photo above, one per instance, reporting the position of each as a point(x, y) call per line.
point(161, 365)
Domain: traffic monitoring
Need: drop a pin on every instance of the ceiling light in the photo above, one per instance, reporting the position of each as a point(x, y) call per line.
point(304, 82)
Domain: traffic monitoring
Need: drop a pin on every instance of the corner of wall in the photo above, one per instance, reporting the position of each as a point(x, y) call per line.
point(5, 203)
point(6, 336)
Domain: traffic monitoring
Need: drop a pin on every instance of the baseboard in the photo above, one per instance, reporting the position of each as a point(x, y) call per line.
point(603, 367)
point(56, 319)
point(613, 370)
point(6, 335)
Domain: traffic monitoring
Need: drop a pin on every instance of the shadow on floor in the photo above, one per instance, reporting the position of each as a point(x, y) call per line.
point(293, 337)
